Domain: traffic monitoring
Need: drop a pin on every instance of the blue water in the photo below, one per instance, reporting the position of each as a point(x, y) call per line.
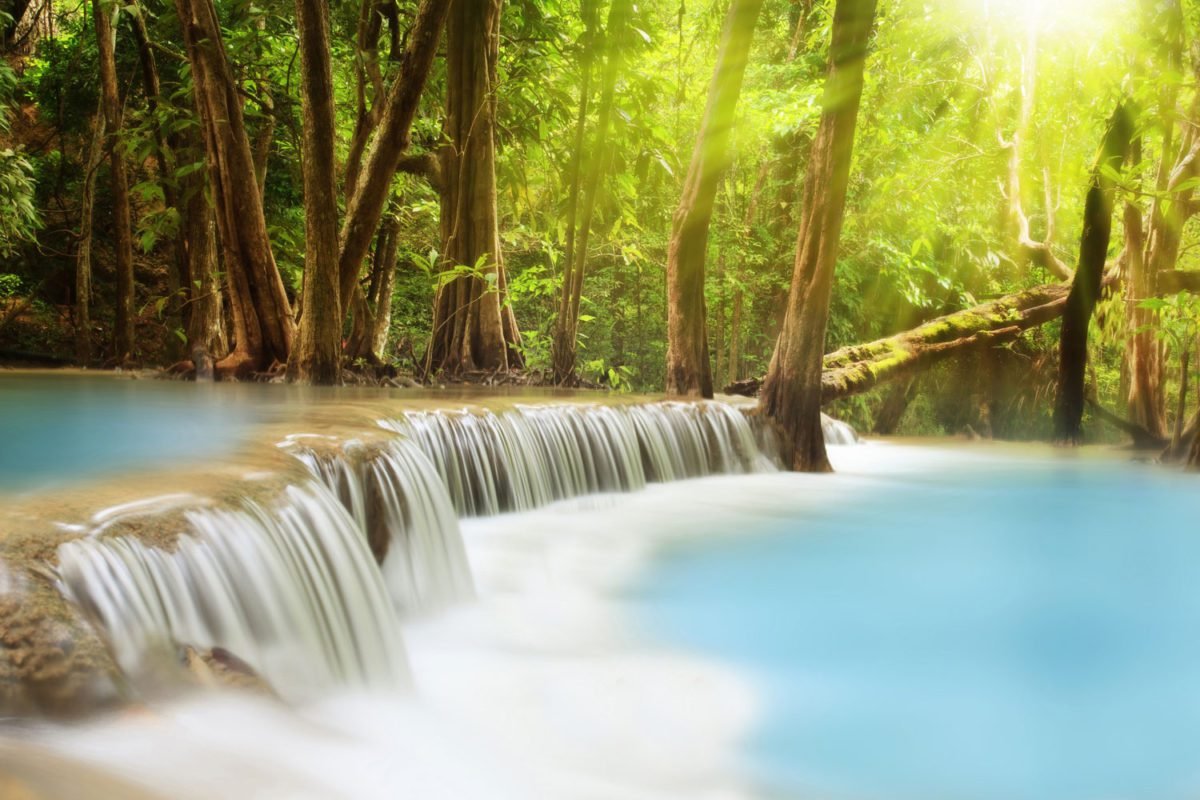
point(55, 429)
point(1016, 629)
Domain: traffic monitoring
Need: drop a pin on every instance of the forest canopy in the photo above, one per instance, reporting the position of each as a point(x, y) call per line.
point(673, 194)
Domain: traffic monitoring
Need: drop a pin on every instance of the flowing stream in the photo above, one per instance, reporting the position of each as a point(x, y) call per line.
point(575, 601)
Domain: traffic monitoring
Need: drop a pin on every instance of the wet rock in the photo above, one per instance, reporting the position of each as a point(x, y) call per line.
point(51, 660)
point(218, 668)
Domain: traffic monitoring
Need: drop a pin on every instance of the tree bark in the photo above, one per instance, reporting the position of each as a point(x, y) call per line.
point(316, 357)
point(365, 208)
point(858, 368)
point(689, 371)
point(262, 316)
point(164, 157)
point(372, 310)
point(105, 15)
point(792, 391)
point(1089, 274)
point(83, 256)
point(198, 237)
point(472, 322)
point(566, 330)
point(587, 45)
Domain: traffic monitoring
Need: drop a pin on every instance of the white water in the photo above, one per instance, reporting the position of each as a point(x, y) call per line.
point(292, 590)
point(533, 455)
point(539, 690)
point(394, 495)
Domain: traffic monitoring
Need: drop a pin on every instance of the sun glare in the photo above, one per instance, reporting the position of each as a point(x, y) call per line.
point(1055, 16)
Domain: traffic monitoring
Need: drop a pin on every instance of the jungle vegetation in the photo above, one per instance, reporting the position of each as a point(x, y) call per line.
point(924, 216)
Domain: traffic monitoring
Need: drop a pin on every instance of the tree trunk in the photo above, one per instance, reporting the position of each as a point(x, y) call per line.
point(689, 371)
point(792, 390)
point(262, 316)
point(566, 329)
point(588, 44)
point(365, 208)
point(895, 403)
point(83, 257)
point(1089, 274)
point(165, 159)
point(263, 139)
point(316, 357)
point(470, 328)
point(372, 311)
point(1181, 409)
point(205, 323)
point(106, 38)
point(367, 74)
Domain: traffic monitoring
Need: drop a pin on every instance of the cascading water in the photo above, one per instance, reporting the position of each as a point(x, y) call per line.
point(533, 455)
point(401, 507)
point(290, 589)
point(837, 432)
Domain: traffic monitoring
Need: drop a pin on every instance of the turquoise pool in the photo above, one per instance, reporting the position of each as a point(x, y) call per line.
point(977, 628)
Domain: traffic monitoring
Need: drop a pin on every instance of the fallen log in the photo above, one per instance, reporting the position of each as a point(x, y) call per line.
point(858, 368)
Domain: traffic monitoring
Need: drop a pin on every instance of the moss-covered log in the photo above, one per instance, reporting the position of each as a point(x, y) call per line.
point(856, 369)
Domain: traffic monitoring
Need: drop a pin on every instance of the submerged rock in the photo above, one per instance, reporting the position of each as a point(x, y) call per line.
point(51, 660)
point(217, 667)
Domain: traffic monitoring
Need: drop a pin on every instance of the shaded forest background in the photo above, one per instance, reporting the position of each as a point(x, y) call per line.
point(975, 144)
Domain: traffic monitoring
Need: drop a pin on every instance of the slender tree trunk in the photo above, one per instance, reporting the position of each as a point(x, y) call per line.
point(891, 412)
point(735, 335)
point(470, 329)
point(373, 310)
point(689, 369)
point(83, 257)
point(1159, 247)
point(165, 158)
point(1089, 274)
point(1181, 408)
point(366, 206)
point(566, 329)
point(262, 316)
point(205, 323)
point(316, 357)
point(263, 139)
point(106, 38)
point(792, 390)
point(368, 75)
point(587, 50)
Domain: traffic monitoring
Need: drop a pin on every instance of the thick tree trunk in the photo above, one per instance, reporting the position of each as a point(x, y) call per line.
point(859, 368)
point(472, 326)
point(262, 316)
point(104, 14)
point(689, 371)
point(566, 329)
point(1089, 274)
point(365, 208)
point(1181, 408)
point(792, 390)
point(83, 256)
point(316, 357)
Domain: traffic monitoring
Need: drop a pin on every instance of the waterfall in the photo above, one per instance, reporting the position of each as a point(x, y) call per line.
point(529, 456)
point(291, 589)
point(837, 432)
point(402, 510)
